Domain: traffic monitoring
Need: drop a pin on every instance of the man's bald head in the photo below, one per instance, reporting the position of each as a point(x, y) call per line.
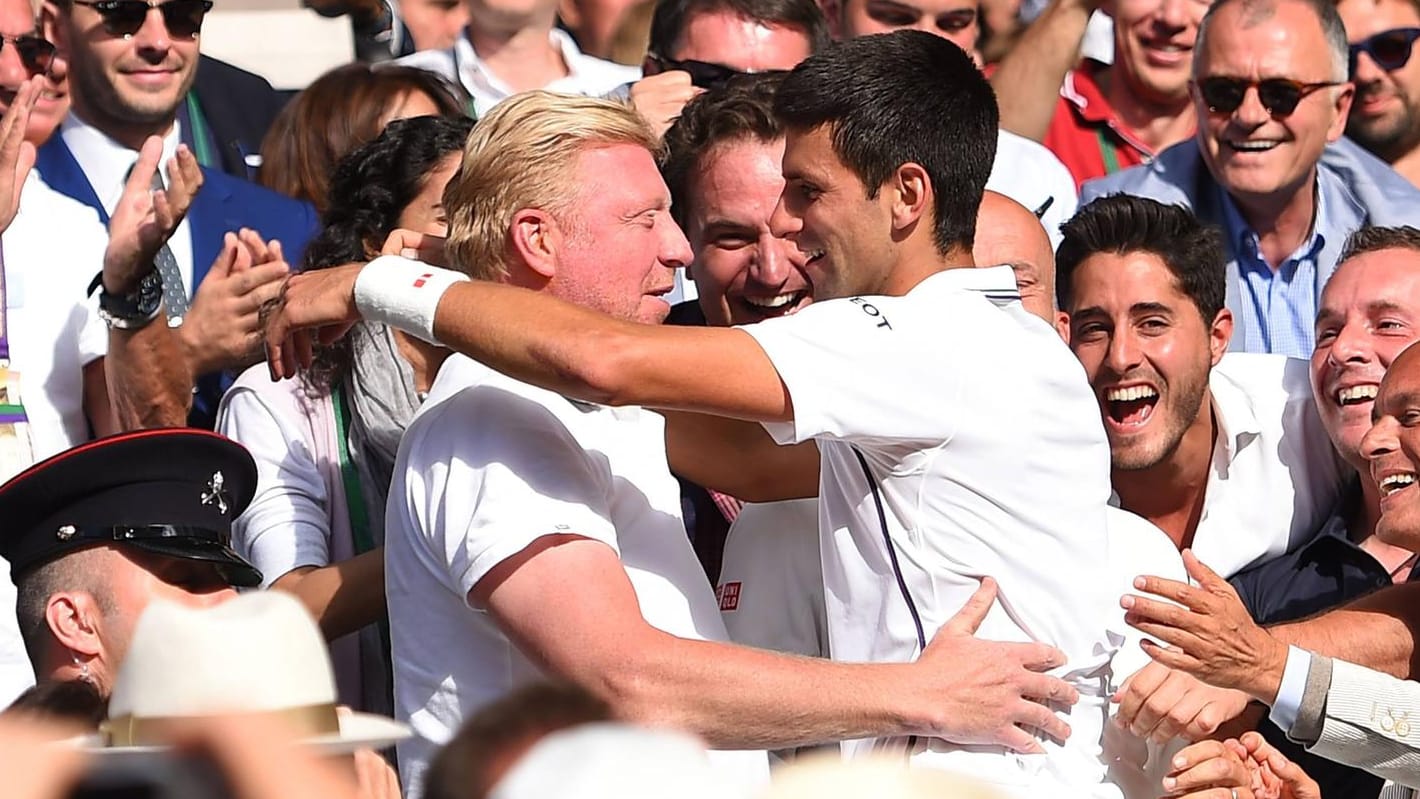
point(1008, 233)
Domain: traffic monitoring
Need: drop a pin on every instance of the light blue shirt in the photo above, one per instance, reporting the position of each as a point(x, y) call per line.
point(1278, 309)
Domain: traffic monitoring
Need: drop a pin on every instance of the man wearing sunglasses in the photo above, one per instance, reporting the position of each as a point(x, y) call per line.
point(1270, 91)
point(132, 64)
point(1385, 116)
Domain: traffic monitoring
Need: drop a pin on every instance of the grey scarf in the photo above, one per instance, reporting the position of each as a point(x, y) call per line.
point(379, 387)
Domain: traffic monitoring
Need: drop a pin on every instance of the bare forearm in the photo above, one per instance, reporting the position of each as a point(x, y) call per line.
point(1027, 82)
point(589, 355)
point(149, 384)
point(343, 597)
point(1377, 631)
point(739, 458)
point(741, 698)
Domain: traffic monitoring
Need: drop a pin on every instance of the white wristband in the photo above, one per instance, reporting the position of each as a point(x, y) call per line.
point(403, 293)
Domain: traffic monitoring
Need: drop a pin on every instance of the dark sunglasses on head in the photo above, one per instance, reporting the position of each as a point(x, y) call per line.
point(703, 74)
point(36, 53)
point(183, 18)
point(1389, 49)
point(902, 16)
point(1279, 96)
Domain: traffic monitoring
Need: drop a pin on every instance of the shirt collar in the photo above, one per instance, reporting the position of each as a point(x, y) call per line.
point(475, 74)
point(1082, 90)
point(997, 283)
point(1238, 424)
point(105, 162)
point(1247, 242)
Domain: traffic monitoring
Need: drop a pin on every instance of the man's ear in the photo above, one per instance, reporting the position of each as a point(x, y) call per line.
point(833, 12)
point(912, 195)
point(49, 27)
point(536, 239)
point(75, 621)
point(1062, 326)
point(1220, 334)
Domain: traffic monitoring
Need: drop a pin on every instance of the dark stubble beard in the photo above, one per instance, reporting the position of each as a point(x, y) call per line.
point(1185, 400)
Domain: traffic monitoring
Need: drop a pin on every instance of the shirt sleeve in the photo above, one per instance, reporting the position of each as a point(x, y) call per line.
point(491, 471)
point(93, 333)
point(852, 371)
point(1294, 684)
point(287, 525)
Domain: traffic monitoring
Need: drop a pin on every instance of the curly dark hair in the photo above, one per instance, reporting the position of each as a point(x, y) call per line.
point(368, 191)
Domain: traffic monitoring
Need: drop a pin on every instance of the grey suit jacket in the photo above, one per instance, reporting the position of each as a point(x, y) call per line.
point(1362, 718)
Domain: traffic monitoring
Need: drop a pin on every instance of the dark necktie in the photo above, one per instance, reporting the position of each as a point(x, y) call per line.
point(174, 293)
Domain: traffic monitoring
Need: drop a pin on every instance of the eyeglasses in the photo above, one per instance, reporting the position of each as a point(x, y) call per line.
point(706, 74)
point(1389, 49)
point(183, 18)
point(1279, 96)
point(897, 15)
point(35, 52)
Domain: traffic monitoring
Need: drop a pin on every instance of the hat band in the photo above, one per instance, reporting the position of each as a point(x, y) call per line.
point(307, 721)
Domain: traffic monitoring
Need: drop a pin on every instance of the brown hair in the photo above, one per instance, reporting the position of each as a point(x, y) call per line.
point(340, 111)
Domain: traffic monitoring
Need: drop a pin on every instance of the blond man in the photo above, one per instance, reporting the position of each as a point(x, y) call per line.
point(533, 535)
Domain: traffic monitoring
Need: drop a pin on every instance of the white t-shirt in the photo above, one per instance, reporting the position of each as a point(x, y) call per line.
point(489, 466)
point(586, 75)
point(53, 249)
point(1275, 476)
point(771, 582)
point(958, 439)
point(1029, 173)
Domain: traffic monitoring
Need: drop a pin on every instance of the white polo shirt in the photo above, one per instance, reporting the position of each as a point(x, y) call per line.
point(1275, 476)
point(586, 75)
point(1029, 173)
point(489, 466)
point(959, 438)
point(771, 583)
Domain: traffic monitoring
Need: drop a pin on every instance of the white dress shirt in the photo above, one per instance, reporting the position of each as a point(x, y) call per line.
point(107, 164)
point(586, 75)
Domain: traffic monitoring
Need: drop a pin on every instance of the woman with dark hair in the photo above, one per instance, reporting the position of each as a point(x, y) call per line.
point(325, 445)
point(341, 110)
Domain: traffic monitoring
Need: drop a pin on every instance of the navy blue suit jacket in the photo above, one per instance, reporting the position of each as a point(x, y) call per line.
point(223, 204)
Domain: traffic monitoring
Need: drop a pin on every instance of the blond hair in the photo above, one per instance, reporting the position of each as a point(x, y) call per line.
point(523, 154)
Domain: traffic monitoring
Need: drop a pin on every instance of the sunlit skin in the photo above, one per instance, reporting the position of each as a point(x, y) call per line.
point(409, 105)
point(127, 87)
point(1153, 44)
point(1392, 451)
point(1148, 351)
point(743, 44)
point(1268, 164)
point(743, 273)
point(617, 246)
point(433, 24)
point(1008, 233)
point(853, 18)
point(17, 19)
point(1385, 117)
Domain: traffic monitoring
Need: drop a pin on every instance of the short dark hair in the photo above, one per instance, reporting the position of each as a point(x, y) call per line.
point(1120, 224)
point(466, 767)
point(672, 17)
point(1373, 238)
point(742, 109)
point(74, 701)
point(368, 191)
point(901, 97)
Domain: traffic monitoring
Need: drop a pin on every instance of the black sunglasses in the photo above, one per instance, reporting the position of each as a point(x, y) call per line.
point(36, 53)
point(1279, 96)
point(1389, 49)
point(183, 18)
point(703, 74)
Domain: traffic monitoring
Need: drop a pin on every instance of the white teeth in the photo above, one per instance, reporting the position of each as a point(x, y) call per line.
point(1130, 394)
point(1395, 482)
point(772, 302)
point(1346, 396)
point(1253, 146)
point(813, 254)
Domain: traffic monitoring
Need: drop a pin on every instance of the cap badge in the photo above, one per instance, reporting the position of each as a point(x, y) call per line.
point(216, 494)
point(65, 532)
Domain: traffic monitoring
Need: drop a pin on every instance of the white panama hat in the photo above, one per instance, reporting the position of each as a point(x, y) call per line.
point(258, 653)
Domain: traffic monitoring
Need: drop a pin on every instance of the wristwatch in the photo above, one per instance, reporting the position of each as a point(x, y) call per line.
point(136, 309)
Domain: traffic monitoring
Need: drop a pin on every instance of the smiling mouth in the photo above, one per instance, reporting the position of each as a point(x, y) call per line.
point(1355, 395)
point(1252, 145)
point(1132, 406)
point(1395, 483)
